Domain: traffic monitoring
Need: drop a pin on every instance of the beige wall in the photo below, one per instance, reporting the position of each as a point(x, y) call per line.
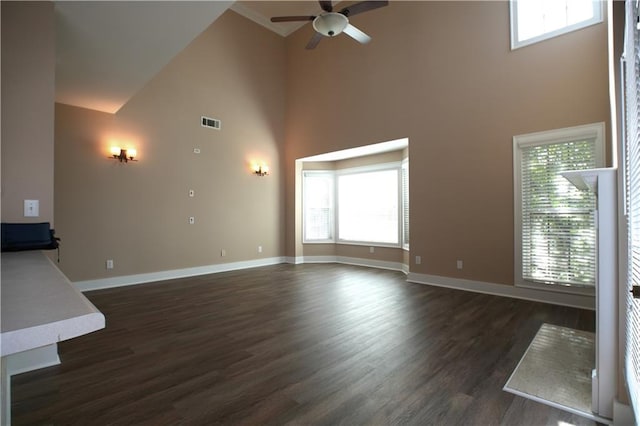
point(28, 70)
point(369, 160)
point(442, 74)
point(439, 73)
point(137, 214)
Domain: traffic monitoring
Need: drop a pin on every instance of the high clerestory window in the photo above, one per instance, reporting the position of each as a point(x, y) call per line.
point(536, 20)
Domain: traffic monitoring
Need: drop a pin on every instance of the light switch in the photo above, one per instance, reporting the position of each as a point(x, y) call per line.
point(31, 208)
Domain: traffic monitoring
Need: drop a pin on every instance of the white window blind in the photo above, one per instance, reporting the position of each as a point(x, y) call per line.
point(405, 204)
point(555, 223)
point(558, 226)
point(318, 206)
point(631, 70)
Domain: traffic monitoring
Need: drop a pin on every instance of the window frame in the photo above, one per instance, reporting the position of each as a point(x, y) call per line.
point(334, 174)
point(598, 12)
point(332, 206)
point(549, 137)
point(362, 170)
point(405, 208)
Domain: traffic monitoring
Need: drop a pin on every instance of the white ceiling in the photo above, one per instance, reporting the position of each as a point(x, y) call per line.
point(262, 11)
point(108, 50)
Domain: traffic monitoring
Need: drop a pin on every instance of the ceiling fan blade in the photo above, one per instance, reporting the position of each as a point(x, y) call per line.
point(314, 40)
point(363, 6)
point(326, 5)
point(356, 34)
point(292, 18)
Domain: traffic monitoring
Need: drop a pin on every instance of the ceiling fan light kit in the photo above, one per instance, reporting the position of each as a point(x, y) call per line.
point(330, 23)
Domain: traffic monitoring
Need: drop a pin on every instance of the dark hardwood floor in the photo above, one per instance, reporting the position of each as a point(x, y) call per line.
point(295, 344)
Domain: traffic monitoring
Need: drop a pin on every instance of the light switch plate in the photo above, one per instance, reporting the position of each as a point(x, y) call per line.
point(31, 208)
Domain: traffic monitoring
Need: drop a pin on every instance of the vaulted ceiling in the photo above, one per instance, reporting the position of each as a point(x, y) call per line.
point(107, 51)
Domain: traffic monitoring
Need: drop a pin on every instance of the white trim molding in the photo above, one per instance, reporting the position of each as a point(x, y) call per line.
point(504, 290)
point(126, 280)
point(563, 299)
point(294, 260)
point(358, 261)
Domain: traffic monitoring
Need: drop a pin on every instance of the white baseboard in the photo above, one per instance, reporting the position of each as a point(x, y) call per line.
point(564, 299)
point(294, 260)
point(552, 297)
point(357, 261)
point(126, 280)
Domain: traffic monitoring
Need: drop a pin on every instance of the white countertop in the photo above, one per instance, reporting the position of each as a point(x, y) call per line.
point(39, 305)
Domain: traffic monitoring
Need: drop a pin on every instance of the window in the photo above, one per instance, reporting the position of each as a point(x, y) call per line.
point(631, 85)
point(318, 206)
point(405, 204)
point(368, 206)
point(555, 222)
point(536, 20)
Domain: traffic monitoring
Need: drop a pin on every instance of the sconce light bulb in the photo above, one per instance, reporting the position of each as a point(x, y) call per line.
point(115, 150)
point(131, 152)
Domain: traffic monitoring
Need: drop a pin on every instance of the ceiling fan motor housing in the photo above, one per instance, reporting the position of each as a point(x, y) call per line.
point(330, 24)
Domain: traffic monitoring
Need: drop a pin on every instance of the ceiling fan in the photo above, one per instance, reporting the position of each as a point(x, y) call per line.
point(330, 23)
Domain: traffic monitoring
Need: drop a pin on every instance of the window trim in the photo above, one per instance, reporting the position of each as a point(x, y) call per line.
point(598, 18)
point(548, 137)
point(332, 207)
point(405, 166)
point(396, 165)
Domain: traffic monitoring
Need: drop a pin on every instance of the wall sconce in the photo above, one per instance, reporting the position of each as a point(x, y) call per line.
point(122, 154)
point(261, 169)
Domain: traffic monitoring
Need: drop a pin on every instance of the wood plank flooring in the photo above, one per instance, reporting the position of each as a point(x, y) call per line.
point(295, 344)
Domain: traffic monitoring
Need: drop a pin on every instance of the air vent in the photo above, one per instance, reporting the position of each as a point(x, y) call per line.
point(211, 123)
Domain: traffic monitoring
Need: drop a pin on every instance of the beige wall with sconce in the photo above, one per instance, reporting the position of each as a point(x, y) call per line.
point(28, 70)
point(138, 213)
point(441, 74)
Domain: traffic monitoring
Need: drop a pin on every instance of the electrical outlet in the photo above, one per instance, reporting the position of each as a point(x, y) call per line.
point(192, 220)
point(223, 253)
point(372, 249)
point(459, 264)
point(418, 260)
point(109, 263)
point(192, 193)
point(259, 249)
